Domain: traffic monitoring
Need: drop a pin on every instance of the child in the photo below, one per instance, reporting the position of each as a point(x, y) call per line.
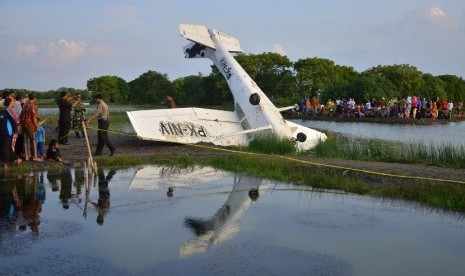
point(53, 152)
point(40, 137)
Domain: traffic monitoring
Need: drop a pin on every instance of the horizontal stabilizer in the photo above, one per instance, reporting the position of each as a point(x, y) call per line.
point(200, 34)
point(196, 33)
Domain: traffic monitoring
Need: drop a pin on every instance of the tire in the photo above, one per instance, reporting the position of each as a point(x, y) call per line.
point(298, 107)
point(254, 99)
point(301, 137)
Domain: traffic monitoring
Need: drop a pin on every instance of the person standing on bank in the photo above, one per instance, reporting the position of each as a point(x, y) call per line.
point(64, 121)
point(7, 129)
point(30, 126)
point(78, 115)
point(102, 115)
point(170, 101)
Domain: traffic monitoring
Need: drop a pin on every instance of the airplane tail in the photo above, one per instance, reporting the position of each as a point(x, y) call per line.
point(201, 38)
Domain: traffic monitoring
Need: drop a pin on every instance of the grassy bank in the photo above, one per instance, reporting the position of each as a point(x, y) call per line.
point(449, 196)
point(382, 151)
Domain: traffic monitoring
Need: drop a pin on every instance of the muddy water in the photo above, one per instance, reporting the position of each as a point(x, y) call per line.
point(214, 223)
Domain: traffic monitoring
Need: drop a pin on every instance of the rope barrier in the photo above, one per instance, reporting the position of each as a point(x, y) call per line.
point(317, 164)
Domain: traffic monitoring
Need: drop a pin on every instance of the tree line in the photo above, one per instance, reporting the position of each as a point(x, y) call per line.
point(282, 80)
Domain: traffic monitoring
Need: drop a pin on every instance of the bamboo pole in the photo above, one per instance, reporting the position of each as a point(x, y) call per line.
point(92, 166)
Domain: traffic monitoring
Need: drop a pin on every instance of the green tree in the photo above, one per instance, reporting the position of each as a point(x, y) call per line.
point(189, 90)
point(406, 78)
point(454, 87)
point(432, 87)
point(113, 89)
point(150, 88)
point(317, 75)
point(362, 88)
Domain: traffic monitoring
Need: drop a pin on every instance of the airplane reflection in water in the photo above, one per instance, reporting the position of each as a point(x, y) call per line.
point(164, 177)
point(221, 226)
point(225, 223)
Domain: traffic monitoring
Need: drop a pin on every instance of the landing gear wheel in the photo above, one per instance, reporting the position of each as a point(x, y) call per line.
point(254, 99)
point(301, 137)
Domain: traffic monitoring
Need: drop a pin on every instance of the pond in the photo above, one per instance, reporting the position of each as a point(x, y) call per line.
point(438, 134)
point(129, 222)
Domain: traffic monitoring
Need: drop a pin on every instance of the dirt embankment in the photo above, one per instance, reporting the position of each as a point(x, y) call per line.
point(76, 154)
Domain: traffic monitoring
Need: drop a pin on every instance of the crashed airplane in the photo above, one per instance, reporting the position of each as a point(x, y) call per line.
point(253, 112)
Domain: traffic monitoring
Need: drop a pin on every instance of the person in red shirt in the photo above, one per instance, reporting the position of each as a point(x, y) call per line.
point(30, 126)
point(315, 105)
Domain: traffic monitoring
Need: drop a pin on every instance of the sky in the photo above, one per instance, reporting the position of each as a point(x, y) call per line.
point(48, 44)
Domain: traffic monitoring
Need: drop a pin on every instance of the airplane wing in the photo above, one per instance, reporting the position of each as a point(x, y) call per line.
point(188, 125)
point(150, 178)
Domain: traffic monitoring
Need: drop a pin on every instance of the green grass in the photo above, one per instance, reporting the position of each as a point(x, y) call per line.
point(271, 144)
point(450, 196)
point(445, 155)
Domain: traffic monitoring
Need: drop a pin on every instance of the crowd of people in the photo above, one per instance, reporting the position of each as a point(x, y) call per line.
point(22, 135)
point(411, 107)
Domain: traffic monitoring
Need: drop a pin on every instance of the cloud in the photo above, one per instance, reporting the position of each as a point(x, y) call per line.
point(436, 12)
point(26, 51)
point(279, 49)
point(62, 53)
point(58, 54)
point(439, 18)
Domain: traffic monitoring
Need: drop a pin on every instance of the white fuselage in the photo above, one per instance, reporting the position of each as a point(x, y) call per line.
point(242, 87)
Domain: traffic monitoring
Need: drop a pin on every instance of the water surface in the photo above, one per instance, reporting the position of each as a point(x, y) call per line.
point(438, 134)
point(214, 223)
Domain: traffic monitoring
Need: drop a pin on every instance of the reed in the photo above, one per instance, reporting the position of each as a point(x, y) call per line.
point(445, 155)
point(271, 144)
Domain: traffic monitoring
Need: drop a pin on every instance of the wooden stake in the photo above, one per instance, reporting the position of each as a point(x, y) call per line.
point(92, 166)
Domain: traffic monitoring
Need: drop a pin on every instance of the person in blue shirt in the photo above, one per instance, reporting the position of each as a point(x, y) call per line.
point(40, 140)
